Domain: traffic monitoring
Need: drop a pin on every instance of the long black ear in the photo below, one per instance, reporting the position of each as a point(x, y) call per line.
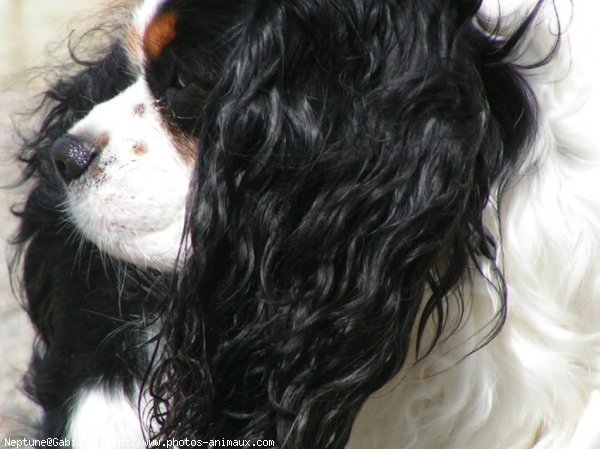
point(348, 154)
point(44, 231)
point(68, 294)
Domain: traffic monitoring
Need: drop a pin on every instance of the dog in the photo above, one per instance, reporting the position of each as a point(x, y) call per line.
point(319, 224)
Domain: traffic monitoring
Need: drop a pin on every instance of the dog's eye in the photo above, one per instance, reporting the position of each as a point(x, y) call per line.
point(182, 80)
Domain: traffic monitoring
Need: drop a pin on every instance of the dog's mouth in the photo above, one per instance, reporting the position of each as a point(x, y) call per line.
point(132, 220)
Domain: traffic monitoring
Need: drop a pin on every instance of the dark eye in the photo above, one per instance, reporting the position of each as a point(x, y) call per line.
point(181, 79)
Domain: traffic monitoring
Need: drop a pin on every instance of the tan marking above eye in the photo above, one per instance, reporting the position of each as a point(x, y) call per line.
point(159, 34)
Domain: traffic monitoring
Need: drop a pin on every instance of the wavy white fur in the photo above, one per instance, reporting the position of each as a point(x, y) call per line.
point(104, 419)
point(537, 385)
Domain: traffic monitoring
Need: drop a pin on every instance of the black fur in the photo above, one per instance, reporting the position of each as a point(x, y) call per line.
point(347, 151)
point(87, 310)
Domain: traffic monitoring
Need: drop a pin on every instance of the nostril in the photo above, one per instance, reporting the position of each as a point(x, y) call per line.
point(72, 156)
point(60, 167)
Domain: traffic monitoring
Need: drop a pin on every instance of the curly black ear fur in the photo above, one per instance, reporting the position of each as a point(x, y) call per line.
point(86, 312)
point(348, 153)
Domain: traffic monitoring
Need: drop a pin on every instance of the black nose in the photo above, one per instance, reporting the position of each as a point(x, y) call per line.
point(72, 156)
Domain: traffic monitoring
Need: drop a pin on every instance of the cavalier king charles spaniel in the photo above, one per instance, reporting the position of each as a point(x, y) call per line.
point(319, 224)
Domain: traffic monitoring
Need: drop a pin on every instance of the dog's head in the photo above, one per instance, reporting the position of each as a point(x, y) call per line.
point(128, 163)
point(321, 167)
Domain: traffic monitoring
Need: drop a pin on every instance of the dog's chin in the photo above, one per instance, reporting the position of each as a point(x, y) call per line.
point(160, 249)
point(149, 237)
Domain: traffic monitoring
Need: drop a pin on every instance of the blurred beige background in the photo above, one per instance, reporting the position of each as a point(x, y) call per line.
point(32, 34)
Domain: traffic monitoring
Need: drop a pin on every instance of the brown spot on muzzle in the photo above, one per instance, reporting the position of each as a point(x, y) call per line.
point(140, 148)
point(159, 34)
point(103, 140)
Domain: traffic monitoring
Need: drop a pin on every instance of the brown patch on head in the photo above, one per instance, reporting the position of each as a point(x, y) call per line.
point(186, 146)
point(159, 34)
point(140, 148)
